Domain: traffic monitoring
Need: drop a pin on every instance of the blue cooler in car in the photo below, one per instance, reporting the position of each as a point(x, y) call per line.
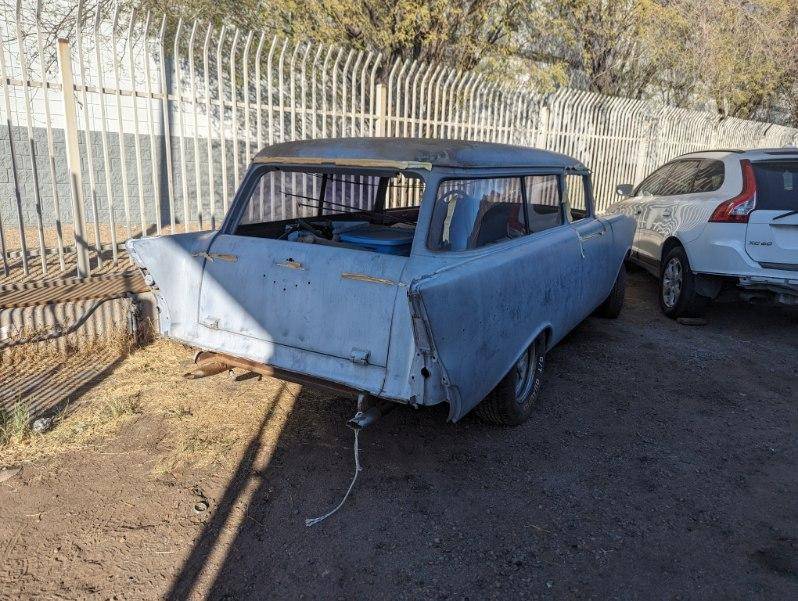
point(380, 239)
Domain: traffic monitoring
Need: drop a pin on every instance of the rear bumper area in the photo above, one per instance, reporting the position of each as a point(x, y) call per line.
point(721, 250)
point(210, 363)
point(782, 290)
point(292, 364)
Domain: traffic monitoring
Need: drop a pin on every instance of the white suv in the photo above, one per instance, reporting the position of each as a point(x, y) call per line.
point(712, 221)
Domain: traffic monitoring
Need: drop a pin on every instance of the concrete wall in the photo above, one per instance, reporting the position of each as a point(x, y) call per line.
point(150, 195)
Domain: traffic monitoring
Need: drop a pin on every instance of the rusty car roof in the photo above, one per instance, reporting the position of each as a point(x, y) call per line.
point(408, 153)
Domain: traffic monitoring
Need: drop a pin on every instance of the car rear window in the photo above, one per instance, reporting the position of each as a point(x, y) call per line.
point(776, 185)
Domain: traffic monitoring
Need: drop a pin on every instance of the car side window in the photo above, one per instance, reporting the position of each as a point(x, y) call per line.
point(576, 204)
point(651, 185)
point(679, 178)
point(670, 180)
point(470, 213)
point(709, 177)
point(475, 212)
point(544, 205)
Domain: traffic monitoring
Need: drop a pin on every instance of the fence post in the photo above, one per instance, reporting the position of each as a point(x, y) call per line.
point(642, 158)
point(543, 127)
point(644, 149)
point(73, 155)
point(382, 109)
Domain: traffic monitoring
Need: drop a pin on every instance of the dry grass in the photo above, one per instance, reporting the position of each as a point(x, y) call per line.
point(119, 342)
point(199, 422)
point(14, 424)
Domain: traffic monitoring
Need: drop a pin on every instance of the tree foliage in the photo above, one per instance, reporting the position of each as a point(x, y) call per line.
point(604, 43)
point(739, 55)
point(459, 33)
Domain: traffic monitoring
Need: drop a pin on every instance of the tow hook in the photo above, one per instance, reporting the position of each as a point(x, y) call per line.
point(366, 416)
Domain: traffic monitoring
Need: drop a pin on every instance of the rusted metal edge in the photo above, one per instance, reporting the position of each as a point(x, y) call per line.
point(364, 277)
point(344, 162)
point(216, 256)
point(210, 363)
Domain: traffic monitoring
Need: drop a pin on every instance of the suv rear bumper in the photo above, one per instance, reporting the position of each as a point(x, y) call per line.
point(783, 291)
point(720, 250)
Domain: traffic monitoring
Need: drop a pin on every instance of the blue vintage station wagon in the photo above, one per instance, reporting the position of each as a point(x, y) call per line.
point(403, 270)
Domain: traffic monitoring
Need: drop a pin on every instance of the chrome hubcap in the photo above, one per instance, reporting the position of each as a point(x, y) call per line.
point(672, 279)
point(525, 375)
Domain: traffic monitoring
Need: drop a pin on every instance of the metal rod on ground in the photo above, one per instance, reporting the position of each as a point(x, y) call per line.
point(73, 156)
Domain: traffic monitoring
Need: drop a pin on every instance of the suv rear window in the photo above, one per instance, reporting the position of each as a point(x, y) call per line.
point(776, 185)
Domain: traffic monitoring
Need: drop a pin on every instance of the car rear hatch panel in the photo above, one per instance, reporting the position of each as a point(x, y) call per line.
point(772, 231)
point(328, 301)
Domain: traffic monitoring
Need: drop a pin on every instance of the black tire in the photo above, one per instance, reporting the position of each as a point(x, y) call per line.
point(511, 402)
point(613, 304)
point(677, 293)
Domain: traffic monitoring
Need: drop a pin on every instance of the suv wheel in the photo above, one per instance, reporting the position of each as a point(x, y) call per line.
point(512, 401)
point(677, 294)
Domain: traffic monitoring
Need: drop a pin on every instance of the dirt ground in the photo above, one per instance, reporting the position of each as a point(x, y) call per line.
point(662, 463)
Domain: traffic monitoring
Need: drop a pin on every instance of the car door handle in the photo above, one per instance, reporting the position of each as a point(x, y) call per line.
point(216, 256)
point(667, 213)
point(290, 264)
point(591, 236)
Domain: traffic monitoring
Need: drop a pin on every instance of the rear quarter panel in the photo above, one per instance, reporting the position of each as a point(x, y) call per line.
point(173, 267)
point(481, 314)
point(623, 232)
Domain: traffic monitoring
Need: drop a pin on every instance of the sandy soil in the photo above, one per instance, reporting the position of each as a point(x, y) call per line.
point(662, 464)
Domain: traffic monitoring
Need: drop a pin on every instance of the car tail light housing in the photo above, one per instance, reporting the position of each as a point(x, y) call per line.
point(737, 209)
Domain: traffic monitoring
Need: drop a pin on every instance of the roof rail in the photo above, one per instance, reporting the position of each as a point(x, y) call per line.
point(735, 150)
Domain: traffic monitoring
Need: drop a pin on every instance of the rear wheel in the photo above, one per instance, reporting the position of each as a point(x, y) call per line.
point(677, 293)
point(514, 398)
point(611, 307)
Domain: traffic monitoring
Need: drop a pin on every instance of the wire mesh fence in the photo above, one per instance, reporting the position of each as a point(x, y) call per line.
point(163, 118)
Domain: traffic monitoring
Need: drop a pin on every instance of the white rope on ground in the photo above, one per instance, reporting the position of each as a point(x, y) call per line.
point(313, 521)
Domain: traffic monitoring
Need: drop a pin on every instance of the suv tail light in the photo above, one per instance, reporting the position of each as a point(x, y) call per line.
point(737, 209)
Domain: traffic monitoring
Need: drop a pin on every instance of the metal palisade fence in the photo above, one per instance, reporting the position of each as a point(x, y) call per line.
point(137, 126)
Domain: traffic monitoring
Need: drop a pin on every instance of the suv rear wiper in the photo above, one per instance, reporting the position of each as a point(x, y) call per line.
point(787, 214)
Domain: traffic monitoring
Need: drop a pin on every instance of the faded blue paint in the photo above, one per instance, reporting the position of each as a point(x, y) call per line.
point(464, 154)
point(435, 326)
